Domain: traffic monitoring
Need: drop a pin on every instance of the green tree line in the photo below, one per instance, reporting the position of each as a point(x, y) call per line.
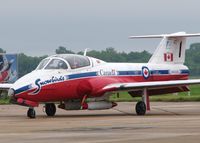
point(28, 63)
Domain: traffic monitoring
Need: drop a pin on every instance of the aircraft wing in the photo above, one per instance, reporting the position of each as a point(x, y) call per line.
point(148, 85)
point(5, 86)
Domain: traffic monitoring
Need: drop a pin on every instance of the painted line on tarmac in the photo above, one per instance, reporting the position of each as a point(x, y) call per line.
point(174, 113)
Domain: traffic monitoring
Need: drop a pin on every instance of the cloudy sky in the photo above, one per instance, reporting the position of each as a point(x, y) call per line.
point(38, 27)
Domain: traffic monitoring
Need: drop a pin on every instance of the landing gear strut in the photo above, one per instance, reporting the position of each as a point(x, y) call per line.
point(31, 113)
point(144, 105)
point(50, 109)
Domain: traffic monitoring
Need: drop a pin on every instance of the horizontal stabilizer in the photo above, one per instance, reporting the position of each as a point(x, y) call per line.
point(173, 35)
point(5, 86)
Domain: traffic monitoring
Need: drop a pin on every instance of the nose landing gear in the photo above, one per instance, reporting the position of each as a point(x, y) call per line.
point(31, 113)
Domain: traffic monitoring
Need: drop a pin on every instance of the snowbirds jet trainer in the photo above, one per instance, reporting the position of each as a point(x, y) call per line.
point(71, 79)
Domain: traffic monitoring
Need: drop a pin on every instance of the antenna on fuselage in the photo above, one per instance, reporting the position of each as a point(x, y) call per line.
point(85, 52)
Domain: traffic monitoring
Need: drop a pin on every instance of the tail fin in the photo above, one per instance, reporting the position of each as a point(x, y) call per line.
point(171, 49)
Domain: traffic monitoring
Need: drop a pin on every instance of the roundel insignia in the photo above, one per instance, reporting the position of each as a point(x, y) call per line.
point(145, 72)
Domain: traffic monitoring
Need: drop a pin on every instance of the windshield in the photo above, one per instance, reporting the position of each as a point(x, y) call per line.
point(42, 64)
point(77, 61)
point(56, 64)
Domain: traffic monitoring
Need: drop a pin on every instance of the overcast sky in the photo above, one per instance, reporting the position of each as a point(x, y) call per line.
point(38, 27)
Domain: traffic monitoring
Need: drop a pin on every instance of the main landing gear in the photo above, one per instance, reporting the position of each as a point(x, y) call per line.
point(50, 109)
point(144, 105)
point(140, 108)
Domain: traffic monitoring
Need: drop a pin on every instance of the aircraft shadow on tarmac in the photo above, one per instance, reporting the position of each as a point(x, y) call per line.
point(118, 115)
point(159, 112)
point(105, 115)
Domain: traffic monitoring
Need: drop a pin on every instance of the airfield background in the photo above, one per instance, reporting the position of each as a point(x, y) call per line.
point(14, 67)
point(28, 63)
point(23, 64)
point(9, 68)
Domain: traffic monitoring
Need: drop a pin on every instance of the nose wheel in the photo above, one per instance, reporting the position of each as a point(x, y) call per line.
point(50, 109)
point(31, 113)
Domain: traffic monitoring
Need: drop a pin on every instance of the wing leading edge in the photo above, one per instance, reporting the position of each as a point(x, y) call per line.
point(148, 85)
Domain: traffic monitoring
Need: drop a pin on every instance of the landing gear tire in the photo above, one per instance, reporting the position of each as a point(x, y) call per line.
point(31, 113)
point(140, 108)
point(50, 109)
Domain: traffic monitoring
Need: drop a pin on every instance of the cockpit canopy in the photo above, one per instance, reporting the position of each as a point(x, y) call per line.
point(64, 61)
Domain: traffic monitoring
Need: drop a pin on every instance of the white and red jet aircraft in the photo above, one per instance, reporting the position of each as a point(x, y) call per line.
point(71, 79)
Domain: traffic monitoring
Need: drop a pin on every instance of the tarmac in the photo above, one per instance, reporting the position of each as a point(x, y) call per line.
point(166, 122)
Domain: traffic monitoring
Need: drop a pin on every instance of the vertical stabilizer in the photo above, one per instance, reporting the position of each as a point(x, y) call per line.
point(171, 49)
